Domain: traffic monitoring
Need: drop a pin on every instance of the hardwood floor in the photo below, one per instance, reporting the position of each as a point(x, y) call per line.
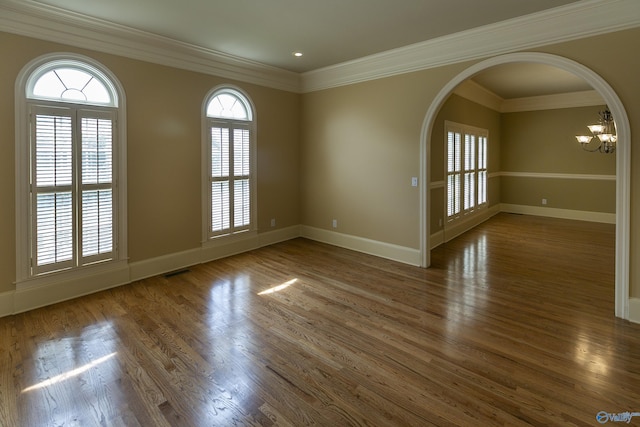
point(513, 325)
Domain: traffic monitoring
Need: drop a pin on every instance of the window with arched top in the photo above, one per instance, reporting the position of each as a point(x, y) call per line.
point(229, 104)
point(229, 189)
point(71, 81)
point(70, 172)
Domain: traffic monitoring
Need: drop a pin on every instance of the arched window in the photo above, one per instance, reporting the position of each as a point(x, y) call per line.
point(70, 168)
point(71, 81)
point(229, 150)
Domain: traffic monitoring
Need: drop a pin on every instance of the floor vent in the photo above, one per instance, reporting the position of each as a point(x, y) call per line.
point(175, 273)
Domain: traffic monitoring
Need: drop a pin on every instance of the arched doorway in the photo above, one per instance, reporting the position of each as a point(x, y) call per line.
point(623, 163)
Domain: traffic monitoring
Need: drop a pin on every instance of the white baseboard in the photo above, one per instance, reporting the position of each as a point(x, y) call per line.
point(608, 218)
point(6, 303)
point(163, 264)
point(372, 247)
point(29, 298)
point(210, 252)
point(436, 239)
point(280, 235)
point(462, 226)
point(50, 292)
point(451, 232)
point(634, 310)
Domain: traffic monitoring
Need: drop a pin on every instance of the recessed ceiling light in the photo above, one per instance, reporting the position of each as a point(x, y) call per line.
point(297, 54)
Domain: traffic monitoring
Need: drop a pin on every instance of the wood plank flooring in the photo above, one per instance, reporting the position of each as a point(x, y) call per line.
point(513, 325)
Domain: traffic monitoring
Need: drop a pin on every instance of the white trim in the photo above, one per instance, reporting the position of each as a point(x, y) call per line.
point(280, 235)
point(587, 98)
point(52, 289)
point(437, 239)
point(464, 224)
point(215, 249)
point(6, 303)
point(623, 157)
point(603, 217)
point(545, 175)
point(574, 21)
point(377, 248)
point(22, 166)
point(205, 155)
point(163, 264)
point(50, 23)
point(474, 92)
point(634, 310)
point(55, 291)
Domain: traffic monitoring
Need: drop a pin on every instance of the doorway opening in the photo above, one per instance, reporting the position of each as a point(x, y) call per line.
point(623, 164)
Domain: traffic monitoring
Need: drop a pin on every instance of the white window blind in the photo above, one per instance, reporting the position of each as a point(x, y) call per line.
point(482, 170)
point(454, 182)
point(72, 188)
point(230, 178)
point(466, 188)
point(469, 190)
point(96, 167)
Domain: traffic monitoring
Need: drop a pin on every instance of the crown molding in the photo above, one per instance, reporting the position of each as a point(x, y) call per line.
point(56, 25)
point(574, 21)
point(474, 92)
point(586, 98)
point(577, 20)
point(479, 94)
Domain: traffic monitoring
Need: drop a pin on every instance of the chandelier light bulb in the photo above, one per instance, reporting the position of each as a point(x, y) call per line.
point(596, 129)
point(584, 139)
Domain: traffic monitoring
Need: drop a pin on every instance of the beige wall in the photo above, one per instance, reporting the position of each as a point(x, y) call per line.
point(359, 152)
point(361, 143)
point(352, 149)
point(543, 142)
point(164, 136)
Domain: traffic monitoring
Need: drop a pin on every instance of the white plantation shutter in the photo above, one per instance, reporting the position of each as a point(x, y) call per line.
point(241, 173)
point(54, 230)
point(482, 170)
point(72, 188)
point(70, 153)
point(469, 192)
point(96, 189)
point(230, 177)
point(466, 187)
point(52, 190)
point(454, 147)
point(220, 167)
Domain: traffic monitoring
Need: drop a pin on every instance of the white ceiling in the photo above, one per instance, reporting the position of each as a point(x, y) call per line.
point(327, 31)
point(331, 33)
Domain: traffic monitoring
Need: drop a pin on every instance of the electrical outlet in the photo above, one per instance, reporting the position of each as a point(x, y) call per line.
point(273, 222)
point(544, 201)
point(334, 223)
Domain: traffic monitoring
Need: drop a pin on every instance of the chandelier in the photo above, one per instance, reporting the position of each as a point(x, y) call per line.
point(605, 131)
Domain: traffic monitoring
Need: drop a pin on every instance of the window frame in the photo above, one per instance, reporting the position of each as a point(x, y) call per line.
point(209, 237)
point(27, 275)
point(471, 168)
